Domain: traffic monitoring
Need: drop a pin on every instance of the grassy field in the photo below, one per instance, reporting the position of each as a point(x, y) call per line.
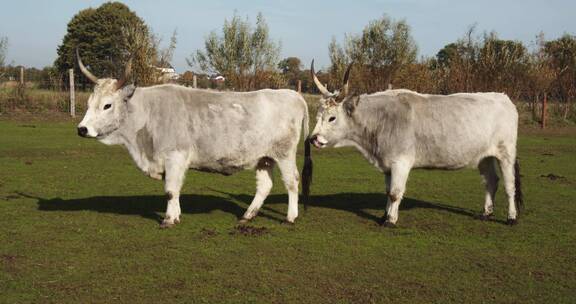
point(80, 225)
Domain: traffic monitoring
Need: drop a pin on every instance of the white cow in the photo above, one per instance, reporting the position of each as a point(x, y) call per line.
point(398, 130)
point(168, 129)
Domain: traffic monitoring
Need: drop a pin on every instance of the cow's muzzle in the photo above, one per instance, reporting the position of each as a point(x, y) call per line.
point(318, 141)
point(83, 131)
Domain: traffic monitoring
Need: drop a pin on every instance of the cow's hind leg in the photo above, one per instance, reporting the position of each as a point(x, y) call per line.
point(263, 187)
point(388, 181)
point(487, 168)
point(398, 178)
point(176, 166)
point(507, 167)
point(290, 177)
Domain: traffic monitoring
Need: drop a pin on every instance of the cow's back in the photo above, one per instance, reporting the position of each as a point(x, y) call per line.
point(459, 130)
point(439, 131)
point(225, 131)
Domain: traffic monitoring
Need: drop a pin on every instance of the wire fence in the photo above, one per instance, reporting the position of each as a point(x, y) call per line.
point(36, 91)
point(44, 93)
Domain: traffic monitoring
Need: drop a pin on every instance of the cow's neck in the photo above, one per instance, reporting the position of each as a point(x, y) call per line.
point(365, 140)
point(129, 135)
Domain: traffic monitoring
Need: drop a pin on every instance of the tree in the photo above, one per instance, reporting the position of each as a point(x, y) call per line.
point(290, 69)
point(3, 49)
point(561, 57)
point(456, 63)
point(539, 76)
point(290, 65)
point(165, 55)
point(378, 53)
point(246, 57)
point(419, 76)
point(447, 55)
point(502, 65)
point(107, 37)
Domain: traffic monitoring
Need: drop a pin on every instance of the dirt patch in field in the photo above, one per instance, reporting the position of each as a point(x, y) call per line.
point(206, 233)
point(539, 275)
point(554, 177)
point(8, 263)
point(248, 230)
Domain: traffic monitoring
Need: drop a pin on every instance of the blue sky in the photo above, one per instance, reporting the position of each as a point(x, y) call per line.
point(305, 28)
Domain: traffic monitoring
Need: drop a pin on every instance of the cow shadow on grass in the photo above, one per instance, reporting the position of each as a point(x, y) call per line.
point(149, 206)
point(358, 203)
point(153, 206)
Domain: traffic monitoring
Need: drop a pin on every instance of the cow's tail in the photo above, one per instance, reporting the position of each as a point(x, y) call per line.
point(518, 197)
point(307, 169)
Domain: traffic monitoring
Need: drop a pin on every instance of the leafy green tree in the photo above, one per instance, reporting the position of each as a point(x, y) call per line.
point(378, 53)
point(290, 69)
point(246, 57)
point(290, 65)
point(107, 37)
point(447, 54)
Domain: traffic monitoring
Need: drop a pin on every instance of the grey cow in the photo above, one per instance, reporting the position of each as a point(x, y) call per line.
point(168, 129)
point(398, 130)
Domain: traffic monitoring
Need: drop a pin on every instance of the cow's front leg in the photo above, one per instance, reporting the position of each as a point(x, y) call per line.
point(176, 167)
point(398, 177)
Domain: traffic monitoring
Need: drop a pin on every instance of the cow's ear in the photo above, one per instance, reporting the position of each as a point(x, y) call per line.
point(350, 104)
point(128, 91)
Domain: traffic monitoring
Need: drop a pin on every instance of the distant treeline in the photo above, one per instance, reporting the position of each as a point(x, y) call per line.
point(384, 54)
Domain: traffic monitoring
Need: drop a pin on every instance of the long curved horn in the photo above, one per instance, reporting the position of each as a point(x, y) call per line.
point(84, 69)
point(127, 71)
point(319, 85)
point(346, 80)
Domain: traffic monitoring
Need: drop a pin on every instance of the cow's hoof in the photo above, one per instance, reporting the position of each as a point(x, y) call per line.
point(382, 220)
point(287, 222)
point(512, 222)
point(485, 217)
point(243, 221)
point(165, 224)
point(156, 176)
point(388, 224)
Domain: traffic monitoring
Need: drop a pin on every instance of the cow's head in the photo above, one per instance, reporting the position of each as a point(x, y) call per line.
point(106, 105)
point(332, 120)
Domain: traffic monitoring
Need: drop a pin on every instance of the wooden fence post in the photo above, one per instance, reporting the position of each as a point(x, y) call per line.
point(21, 85)
point(544, 110)
point(299, 86)
point(194, 82)
point(72, 96)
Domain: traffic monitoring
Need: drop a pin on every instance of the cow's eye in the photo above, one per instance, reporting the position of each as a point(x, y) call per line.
point(108, 106)
point(331, 119)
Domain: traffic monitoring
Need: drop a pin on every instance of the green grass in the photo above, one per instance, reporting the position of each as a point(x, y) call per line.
point(80, 225)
